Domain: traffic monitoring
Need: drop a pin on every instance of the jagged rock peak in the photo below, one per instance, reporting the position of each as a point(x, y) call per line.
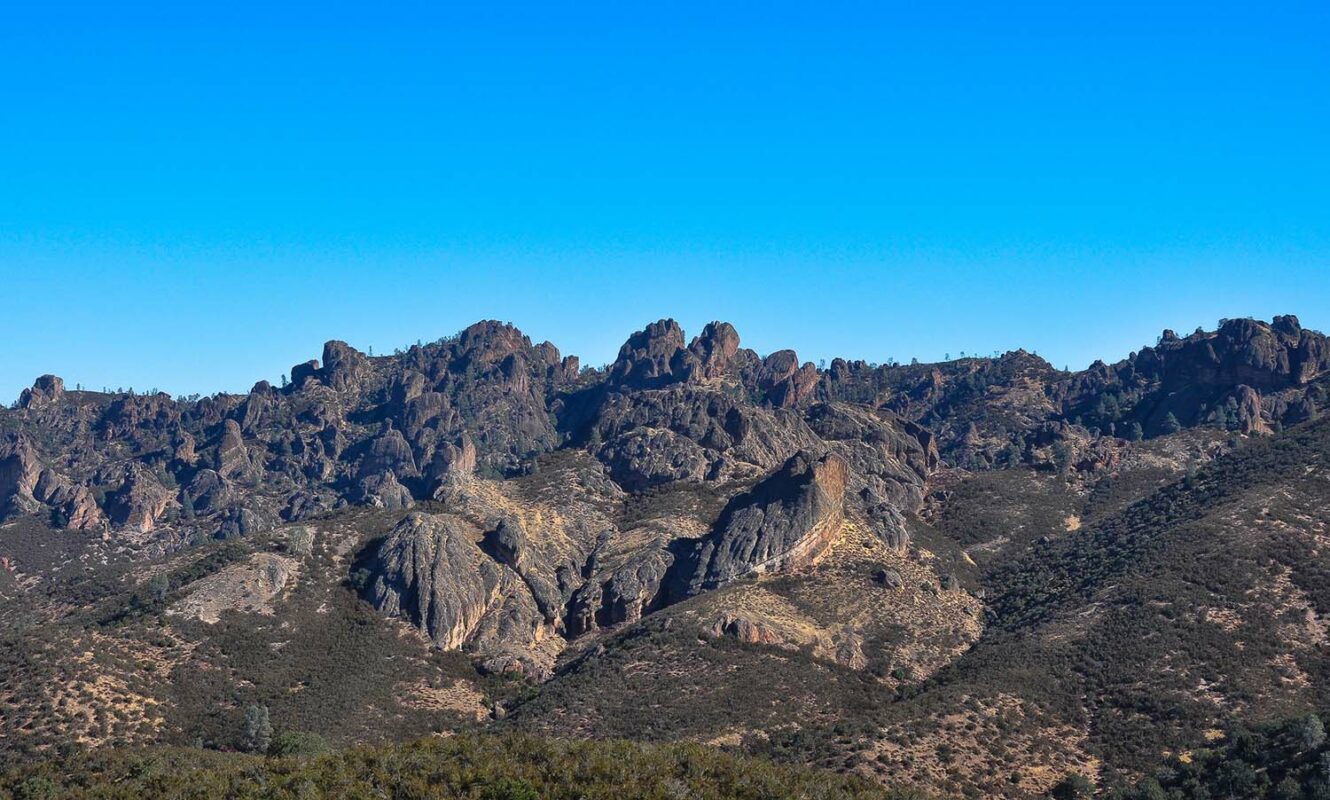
point(45, 390)
point(712, 351)
point(647, 360)
point(490, 340)
point(343, 365)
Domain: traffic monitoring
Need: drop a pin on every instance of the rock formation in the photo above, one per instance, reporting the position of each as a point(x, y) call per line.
point(431, 571)
point(786, 521)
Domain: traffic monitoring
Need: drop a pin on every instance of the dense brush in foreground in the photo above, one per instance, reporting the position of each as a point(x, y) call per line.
point(479, 767)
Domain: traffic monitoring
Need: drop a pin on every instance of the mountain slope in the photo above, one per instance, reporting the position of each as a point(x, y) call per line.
point(978, 576)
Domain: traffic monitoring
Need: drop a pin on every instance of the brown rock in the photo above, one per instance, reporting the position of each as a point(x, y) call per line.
point(648, 358)
point(232, 456)
point(20, 470)
point(712, 351)
point(344, 367)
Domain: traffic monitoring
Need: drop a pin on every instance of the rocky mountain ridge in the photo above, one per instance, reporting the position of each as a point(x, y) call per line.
point(386, 431)
point(546, 521)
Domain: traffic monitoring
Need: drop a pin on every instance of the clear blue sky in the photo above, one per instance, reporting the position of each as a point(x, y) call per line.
point(196, 195)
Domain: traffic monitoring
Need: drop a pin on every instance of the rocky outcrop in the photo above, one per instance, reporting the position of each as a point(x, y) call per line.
point(785, 383)
point(20, 469)
point(1195, 377)
point(382, 490)
point(1249, 411)
point(711, 353)
point(141, 501)
point(453, 460)
point(232, 455)
point(344, 367)
point(74, 505)
point(649, 358)
point(844, 648)
point(687, 433)
point(889, 458)
point(46, 390)
point(430, 571)
point(785, 522)
point(388, 452)
point(389, 431)
point(253, 587)
point(208, 492)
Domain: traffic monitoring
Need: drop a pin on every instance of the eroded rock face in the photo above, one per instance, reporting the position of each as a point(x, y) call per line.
point(77, 509)
point(431, 571)
point(888, 457)
point(19, 471)
point(649, 358)
point(232, 455)
point(785, 522)
point(785, 383)
point(693, 434)
point(844, 648)
point(46, 390)
point(1249, 411)
point(391, 431)
point(1190, 377)
point(711, 353)
point(453, 459)
point(344, 367)
point(381, 490)
point(140, 502)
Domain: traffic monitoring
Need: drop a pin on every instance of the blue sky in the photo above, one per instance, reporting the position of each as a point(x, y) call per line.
point(194, 196)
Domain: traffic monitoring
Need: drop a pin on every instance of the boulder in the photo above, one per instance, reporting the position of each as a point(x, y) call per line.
point(302, 374)
point(889, 578)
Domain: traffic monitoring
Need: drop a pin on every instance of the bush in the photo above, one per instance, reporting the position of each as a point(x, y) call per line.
point(298, 744)
point(511, 789)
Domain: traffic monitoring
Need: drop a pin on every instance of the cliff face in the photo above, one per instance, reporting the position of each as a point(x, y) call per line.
point(430, 570)
point(787, 521)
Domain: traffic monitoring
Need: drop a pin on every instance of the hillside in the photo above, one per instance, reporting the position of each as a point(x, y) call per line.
point(975, 577)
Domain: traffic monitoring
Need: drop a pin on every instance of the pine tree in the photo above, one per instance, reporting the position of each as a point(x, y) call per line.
point(1061, 456)
point(1171, 424)
point(258, 730)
